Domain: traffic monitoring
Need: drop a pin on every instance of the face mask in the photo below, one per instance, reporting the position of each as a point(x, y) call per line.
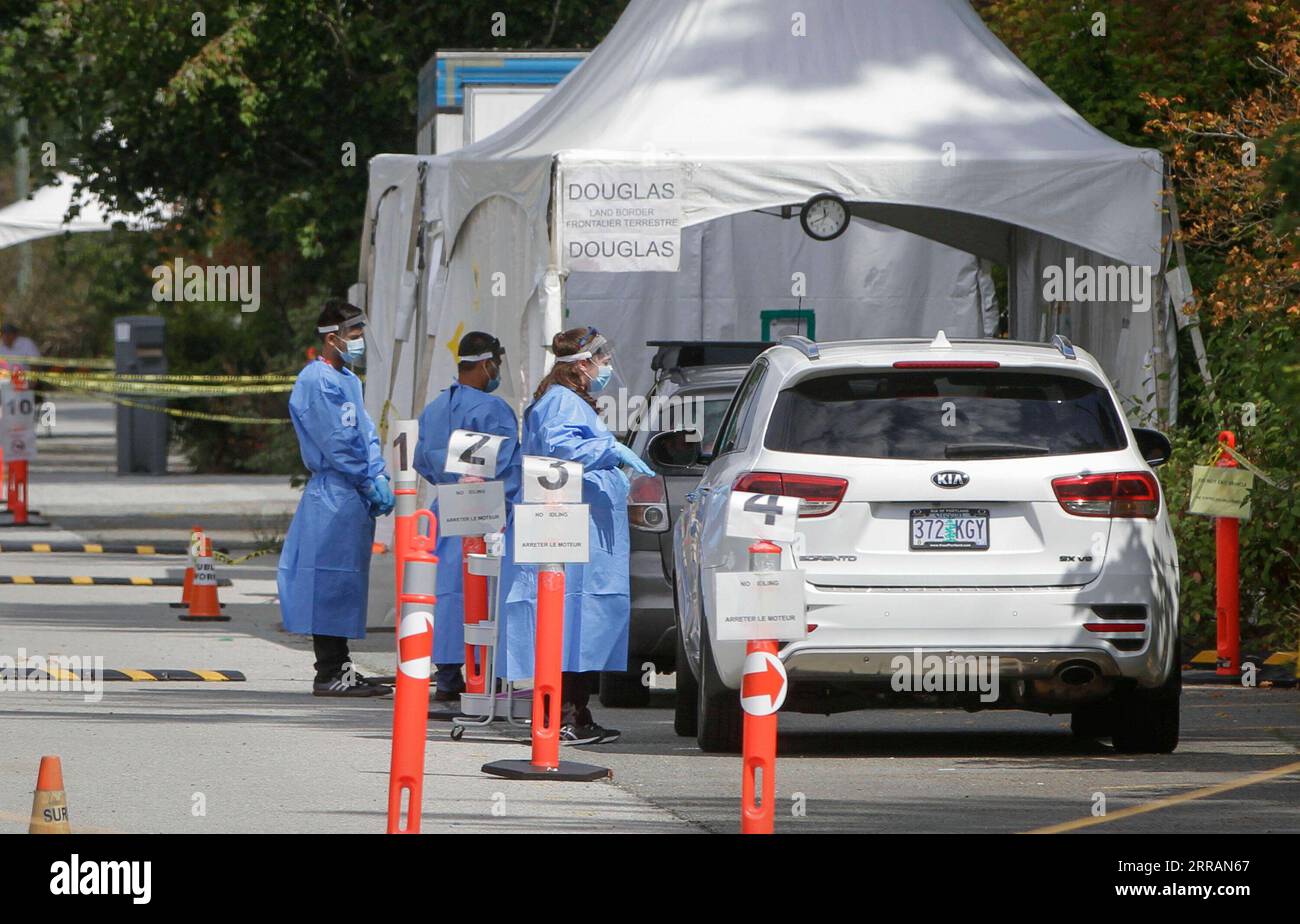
point(355, 350)
point(603, 375)
point(493, 383)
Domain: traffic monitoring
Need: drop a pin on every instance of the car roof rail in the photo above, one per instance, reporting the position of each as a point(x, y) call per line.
point(805, 346)
point(1062, 343)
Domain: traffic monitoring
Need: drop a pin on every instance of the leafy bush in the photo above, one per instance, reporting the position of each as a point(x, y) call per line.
point(1255, 399)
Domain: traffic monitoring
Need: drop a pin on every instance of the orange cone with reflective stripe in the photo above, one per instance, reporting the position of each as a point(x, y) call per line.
point(204, 605)
point(50, 805)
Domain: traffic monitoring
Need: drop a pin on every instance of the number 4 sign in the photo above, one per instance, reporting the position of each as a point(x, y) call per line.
point(762, 516)
point(552, 481)
point(470, 453)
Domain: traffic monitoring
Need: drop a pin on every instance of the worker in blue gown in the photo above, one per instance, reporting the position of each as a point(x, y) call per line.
point(468, 404)
point(324, 571)
point(562, 423)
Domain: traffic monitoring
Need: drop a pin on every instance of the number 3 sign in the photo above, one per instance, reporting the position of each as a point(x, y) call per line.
point(470, 453)
point(552, 481)
point(762, 516)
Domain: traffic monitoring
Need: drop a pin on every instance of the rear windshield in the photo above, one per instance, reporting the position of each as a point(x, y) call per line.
point(941, 414)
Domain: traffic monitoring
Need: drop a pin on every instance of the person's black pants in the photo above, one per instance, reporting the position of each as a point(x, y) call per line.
point(576, 688)
point(331, 655)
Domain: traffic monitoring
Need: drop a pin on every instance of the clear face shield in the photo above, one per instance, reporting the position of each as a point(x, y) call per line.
point(497, 366)
point(349, 333)
point(597, 353)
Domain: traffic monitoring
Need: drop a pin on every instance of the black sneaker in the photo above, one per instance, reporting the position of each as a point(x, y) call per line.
point(447, 696)
point(370, 681)
point(341, 687)
point(588, 734)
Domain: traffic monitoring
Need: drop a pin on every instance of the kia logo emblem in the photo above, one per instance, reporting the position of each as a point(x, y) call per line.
point(950, 479)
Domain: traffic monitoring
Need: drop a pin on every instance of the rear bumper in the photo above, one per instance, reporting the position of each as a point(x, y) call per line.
point(1032, 631)
point(808, 662)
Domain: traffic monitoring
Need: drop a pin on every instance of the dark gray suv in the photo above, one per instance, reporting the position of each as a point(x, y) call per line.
point(694, 382)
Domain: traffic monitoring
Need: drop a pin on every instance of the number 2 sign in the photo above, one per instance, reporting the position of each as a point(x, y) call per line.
point(470, 453)
point(762, 516)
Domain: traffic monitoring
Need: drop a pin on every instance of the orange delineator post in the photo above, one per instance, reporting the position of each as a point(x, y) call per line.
point(758, 816)
point(548, 655)
point(16, 476)
point(416, 603)
point(403, 526)
point(546, 671)
point(474, 593)
point(1227, 590)
point(17, 488)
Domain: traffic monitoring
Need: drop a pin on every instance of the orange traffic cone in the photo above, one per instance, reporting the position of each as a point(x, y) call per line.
point(204, 605)
point(196, 537)
point(50, 805)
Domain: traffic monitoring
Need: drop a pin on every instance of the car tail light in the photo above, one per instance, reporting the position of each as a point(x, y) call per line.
point(647, 504)
point(818, 495)
point(1117, 494)
point(947, 364)
point(1115, 626)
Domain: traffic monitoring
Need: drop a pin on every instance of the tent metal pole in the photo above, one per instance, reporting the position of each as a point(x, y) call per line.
point(1194, 320)
point(552, 302)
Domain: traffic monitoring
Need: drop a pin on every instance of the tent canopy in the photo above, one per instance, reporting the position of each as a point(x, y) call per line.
point(915, 113)
point(43, 214)
point(865, 104)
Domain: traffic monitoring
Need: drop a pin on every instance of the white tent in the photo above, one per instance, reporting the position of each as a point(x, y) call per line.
point(43, 215)
point(912, 112)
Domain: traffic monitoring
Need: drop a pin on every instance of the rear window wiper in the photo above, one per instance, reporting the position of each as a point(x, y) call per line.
point(978, 450)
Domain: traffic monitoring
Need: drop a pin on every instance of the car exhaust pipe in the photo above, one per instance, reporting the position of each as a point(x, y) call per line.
point(1077, 674)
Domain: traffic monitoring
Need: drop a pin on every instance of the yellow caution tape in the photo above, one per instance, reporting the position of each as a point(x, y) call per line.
point(160, 389)
point(227, 560)
point(89, 363)
point(196, 415)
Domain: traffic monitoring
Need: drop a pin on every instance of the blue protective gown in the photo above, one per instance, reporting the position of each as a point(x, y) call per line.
point(461, 407)
point(597, 607)
point(324, 572)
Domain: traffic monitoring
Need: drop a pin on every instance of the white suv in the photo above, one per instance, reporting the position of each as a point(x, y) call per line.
point(964, 499)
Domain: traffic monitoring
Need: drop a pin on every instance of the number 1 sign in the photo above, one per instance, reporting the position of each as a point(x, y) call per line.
point(762, 516)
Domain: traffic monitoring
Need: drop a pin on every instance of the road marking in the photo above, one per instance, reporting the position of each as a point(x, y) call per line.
point(1239, 783)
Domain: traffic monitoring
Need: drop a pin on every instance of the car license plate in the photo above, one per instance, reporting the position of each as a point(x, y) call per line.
point(947, 528)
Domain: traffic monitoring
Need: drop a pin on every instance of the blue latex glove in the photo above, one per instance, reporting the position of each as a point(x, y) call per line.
point(632, 460)
point(386, 492)
point(378, 496)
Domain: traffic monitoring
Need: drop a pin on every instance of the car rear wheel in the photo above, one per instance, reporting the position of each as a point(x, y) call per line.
point(623, 690)
point(1091, 721)
point(721, 722)
point(686, 712)
point(1146, 721)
